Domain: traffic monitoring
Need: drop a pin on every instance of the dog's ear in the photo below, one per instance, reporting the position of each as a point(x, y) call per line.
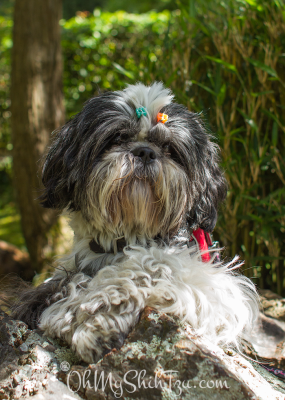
point(210, 184)
point(75, 150)
point(213, 191)
point(192, 148)
point(56, 174)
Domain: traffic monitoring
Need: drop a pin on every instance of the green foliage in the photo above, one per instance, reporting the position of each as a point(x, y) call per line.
point(10, 228)
point(71, 7)
point(225, 58)
point(107, 50)
point(6, 7)
point(10, 224)
point(5, 114)
point(142, 6)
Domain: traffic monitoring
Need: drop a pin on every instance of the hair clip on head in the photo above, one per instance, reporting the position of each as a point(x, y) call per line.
point(162, 117)
point(141, 111)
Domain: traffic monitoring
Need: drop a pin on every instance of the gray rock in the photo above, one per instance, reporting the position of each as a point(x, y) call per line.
point(161, 359)
point(273, 305)
point(30, 362)
point(24, 347)
point(268, 340)
point(55, 390)
point(269, 335)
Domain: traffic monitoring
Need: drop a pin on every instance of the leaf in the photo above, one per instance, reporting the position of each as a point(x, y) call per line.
point(252, 123)
point(279, 3)
point(261, 93)
point(253, 199)
point(195, 66)
point(251, 2)
point(235, 131)
point(205, 88)
point(241, 140)
point(250, 217)
point(274, 117)
point(274, 133)
point(248, 120)
point(192, 9)
point(218, 80)
point(262, 66)
point(222, 94)
point(122, 71)
point(229, 66)
point(202, 27)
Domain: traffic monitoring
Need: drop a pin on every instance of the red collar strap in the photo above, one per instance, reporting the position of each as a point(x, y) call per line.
point(204, 242)
point(198, 237)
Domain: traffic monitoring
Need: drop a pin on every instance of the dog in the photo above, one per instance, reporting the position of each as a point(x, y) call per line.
point(138, 174)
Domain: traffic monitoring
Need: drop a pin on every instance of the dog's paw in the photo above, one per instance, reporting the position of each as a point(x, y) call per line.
point(91, 344)
point(90, 334)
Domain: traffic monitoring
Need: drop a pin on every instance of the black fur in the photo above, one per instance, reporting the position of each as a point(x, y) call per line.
point(79, 145)
point(108, 123)
point(26, 302)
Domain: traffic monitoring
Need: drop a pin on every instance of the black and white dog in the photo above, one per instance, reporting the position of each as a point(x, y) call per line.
point(137, 173)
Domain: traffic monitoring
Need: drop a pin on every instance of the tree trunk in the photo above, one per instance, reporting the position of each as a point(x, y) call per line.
point(37, 109)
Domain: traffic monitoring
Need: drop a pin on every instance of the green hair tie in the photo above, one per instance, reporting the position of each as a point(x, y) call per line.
point(141, 111)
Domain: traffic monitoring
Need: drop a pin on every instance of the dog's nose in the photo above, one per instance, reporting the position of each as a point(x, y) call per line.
point(146, 154)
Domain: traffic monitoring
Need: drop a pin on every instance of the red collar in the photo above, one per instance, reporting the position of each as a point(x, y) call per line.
point(204, 241)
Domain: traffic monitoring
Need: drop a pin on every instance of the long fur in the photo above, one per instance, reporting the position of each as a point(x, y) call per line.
point(93, 172)
point(100, 311)
point(97, 144)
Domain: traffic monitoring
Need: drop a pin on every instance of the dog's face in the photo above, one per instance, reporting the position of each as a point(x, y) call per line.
point(131, 175)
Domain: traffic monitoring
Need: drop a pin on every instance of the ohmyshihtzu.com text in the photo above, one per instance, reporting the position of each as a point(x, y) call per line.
point(134, 380)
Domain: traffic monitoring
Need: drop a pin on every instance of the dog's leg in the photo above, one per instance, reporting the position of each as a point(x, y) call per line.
point(98, 312)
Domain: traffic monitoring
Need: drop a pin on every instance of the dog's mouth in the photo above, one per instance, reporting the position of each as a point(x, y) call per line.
point(134, 202)
point(134, 168)
point(130, 195)
point(146, 201)
point(147, 172)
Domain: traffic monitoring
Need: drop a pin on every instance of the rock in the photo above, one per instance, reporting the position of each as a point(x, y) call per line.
point(268, 295)
point(30, 362)
point(13, 260)
point(268, 341)
point(273, 305)
point(12, 335)
point(12, 332)
point(269, 335)
point(56, 390)
point(160, 359)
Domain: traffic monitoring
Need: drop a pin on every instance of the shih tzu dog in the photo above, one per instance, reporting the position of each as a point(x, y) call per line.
point(138, 175)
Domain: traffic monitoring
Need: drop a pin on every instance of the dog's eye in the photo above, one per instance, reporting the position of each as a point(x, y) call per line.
point(120, 137)
point(172, 153)
point(124, 136)
point(166, 147)
point(116, 140)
